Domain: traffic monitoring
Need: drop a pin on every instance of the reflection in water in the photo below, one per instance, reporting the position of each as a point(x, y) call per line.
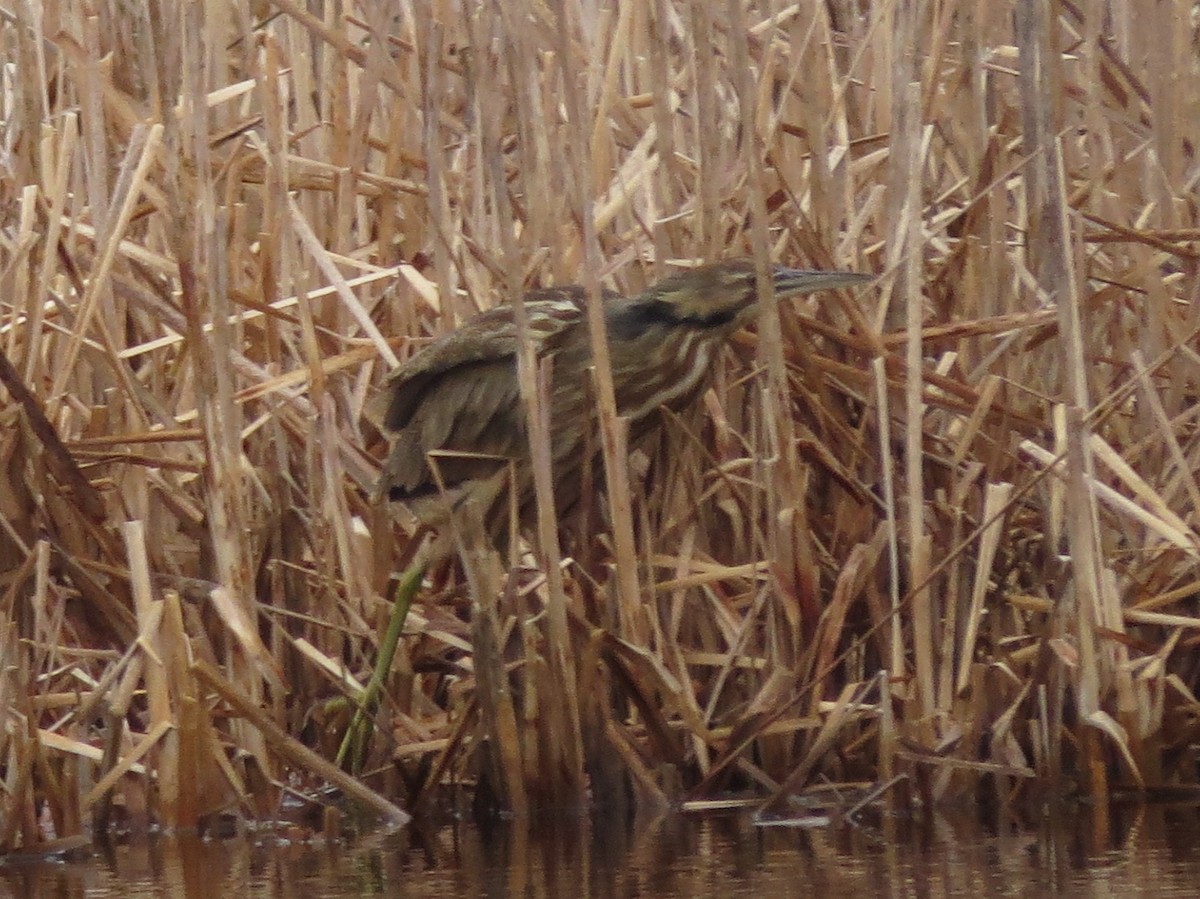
point(1135, 850)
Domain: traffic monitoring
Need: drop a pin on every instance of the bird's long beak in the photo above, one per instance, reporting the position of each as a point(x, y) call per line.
point(790, 282)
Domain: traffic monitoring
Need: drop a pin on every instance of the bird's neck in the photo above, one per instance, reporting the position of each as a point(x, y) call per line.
point(652, 317)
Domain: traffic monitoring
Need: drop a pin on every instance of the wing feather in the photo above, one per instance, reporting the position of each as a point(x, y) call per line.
point(488, 337)
point(460, 395)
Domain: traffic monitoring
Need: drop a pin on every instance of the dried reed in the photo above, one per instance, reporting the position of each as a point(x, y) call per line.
point(940, 534)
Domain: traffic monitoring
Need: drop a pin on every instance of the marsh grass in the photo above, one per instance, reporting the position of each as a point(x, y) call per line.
point(937, 535)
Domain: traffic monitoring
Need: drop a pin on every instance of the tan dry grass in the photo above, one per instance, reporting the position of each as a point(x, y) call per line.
point(222, 222)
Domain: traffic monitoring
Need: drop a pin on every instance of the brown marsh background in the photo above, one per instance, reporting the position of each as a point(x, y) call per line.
point(932, 539)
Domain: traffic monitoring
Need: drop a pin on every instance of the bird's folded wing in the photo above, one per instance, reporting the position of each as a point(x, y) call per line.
point(487, 338)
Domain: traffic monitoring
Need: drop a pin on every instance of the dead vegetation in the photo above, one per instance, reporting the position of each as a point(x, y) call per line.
point(939, 536)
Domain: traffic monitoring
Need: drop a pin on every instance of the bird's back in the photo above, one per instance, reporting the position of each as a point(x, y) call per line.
point(455, 404)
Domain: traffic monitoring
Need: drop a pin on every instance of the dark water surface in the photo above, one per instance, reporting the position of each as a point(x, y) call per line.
point(1125, 851)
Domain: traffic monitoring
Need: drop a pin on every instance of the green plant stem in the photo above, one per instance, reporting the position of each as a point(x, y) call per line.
point(354, 743)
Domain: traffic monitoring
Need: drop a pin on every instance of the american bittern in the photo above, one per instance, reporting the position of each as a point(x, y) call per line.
point(456, 404)
point(459, 398)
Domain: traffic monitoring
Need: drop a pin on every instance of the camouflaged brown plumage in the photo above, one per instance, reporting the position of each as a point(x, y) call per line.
point(454, 417)
point(456, 403)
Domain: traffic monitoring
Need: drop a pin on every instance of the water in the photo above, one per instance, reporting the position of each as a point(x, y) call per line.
point(1126, 851)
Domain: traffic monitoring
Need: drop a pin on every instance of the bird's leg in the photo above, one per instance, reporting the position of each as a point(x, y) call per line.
point(355, 741)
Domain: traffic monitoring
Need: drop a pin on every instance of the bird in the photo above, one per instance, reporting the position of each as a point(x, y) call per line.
point(453, 416)
point(456, 425)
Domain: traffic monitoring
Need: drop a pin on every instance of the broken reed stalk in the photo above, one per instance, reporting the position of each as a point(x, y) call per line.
point(561, 708)
point(612, 429)
point(510, 774)
point(291, 750)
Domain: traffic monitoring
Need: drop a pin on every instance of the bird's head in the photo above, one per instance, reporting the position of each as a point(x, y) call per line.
point(722, 295)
